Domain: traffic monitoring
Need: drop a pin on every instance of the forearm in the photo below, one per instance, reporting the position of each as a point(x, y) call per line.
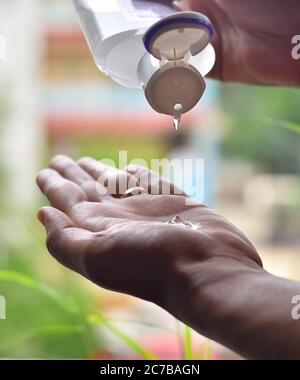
point(244, 308)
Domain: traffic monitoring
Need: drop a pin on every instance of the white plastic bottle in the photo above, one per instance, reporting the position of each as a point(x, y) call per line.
point(147, 44)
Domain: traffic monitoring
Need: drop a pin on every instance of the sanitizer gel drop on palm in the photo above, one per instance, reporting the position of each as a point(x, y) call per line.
point(149, 45)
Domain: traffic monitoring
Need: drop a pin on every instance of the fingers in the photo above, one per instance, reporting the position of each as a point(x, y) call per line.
point(68, 182)
point(70, 169)
point(115, 181)
point(153, 182)
point(66, 243)
point(118, 181)
point(62, 193)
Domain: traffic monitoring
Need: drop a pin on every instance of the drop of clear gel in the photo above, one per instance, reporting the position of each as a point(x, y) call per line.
point(177, 115)
point(176, 123)
point(178, 221)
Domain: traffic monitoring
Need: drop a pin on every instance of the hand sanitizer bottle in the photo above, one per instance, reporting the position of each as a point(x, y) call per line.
point(147, 44)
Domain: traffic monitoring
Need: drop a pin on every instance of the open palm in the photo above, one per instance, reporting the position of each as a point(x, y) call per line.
point(131, 245)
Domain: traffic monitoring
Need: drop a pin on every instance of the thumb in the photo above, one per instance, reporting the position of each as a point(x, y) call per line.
point(53, 219)
point(66, 243)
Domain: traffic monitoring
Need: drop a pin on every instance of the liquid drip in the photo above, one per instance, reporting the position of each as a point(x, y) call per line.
point(177, 115)
point(178, 221)
point(176, 123)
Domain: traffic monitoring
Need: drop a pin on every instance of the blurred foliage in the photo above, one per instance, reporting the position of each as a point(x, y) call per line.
point(108, 147)
point(263, 122)
point(4, 112)
point(49, 313)
point(188, 344)
point(133, 344)
point(44, 321)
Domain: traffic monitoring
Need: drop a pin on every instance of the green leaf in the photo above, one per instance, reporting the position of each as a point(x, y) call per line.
point(294, 127)
point(25, 281)
point(130, 342)
point(46, 330)
point(188, 343)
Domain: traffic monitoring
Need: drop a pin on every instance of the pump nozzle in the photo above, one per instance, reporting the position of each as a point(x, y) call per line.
point(171, 83)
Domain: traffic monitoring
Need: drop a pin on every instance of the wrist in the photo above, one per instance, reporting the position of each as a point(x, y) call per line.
point(198, 284)
point(239, 305)
point(211, 296)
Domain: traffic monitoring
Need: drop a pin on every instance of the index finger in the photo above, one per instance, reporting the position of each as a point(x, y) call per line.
point(62, 193)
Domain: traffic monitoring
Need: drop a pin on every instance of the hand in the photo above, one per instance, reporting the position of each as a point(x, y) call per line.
point(254, 39)
point(210, 278)
point(126, 245)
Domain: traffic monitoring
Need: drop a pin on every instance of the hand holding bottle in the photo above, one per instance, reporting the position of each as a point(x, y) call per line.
point(254, 39)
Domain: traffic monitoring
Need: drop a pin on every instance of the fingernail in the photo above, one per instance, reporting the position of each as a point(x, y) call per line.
point(41, 216)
